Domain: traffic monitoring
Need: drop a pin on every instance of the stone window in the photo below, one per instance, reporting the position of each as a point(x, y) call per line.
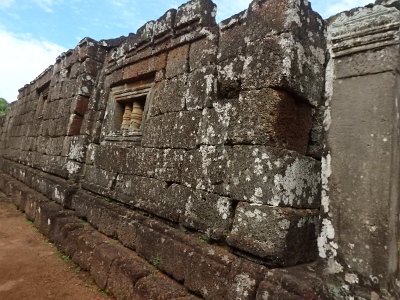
point(129, 110)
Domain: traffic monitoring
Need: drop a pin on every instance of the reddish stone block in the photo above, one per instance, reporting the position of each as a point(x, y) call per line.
point(143, 67)
point(124, 275)
point(178, 61)
point(103, 257)
point(75, 123)
point(86, 244)
point(159, 287)
point(80, 105)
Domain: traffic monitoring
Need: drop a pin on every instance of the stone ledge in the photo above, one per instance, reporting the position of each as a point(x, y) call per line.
point(114, 267)
point(220, 275)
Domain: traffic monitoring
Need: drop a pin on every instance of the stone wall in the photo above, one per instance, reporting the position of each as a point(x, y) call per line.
point(218, 184)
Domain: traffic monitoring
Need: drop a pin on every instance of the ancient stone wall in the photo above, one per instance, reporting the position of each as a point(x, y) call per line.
point(194, 147)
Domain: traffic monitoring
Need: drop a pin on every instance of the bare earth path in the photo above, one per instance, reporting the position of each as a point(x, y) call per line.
point(31, 268)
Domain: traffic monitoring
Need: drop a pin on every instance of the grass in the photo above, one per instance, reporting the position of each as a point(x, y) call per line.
point(204, 239)
point(155, 261)
point(105, 292)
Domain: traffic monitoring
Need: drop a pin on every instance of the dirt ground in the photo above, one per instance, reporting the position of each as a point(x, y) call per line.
point(32, 268)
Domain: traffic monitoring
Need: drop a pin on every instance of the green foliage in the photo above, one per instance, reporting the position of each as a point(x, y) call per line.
point(105, 292)
point(4, 107)
point(155, 261)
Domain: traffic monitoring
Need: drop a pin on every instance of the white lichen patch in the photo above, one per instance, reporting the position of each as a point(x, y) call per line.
point(351, 278)
point(76, 151)
point(326, 172)
point(243, 284)
point(299, 181)
point(72, 167)
point(224, 207)
point(327, 233)
point(256, 215)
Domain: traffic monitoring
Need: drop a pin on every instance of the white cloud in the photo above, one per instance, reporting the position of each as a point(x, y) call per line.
point(46, 5)
point(22, 59)
point(6, 3)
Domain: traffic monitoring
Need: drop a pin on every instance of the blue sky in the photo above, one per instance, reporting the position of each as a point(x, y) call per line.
point(34, 32)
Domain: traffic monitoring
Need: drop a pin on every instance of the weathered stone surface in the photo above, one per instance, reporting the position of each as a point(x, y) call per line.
point(288, 65)
point(281, 236)
point(178, 61)
point(159, 286)
point(124, 274)
point(209, 213)
point(169, 255)
point(172, 130)
point(204, 52)
point(205, 169)
point(264, 117)
point(244, 279)
point(163, 26)
point(170, 96)
point(294, 283)
point(201, 88)
point(200, 11)
point(169, 167)
point(276, 177)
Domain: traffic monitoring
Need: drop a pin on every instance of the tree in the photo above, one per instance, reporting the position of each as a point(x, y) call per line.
point(4, 107)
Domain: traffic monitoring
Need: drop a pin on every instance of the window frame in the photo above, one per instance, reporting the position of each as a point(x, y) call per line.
point(124, 94)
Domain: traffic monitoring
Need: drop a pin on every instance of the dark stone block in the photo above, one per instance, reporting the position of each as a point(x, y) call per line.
point(127, 227)
point(205, 169)
point(264, 117)
point(272, 176)
point(284, 62)
point(184, 129)
point(86, 243)
point(170, 164)
point(208, 213)
point(177, 61)
point(168, 254)
point(163, 26)
point(210, 278)
point(201, 88)
point(232, 37)
point(244, 279)
point(160, 287)
point(102, 178)
point(124, 274)
point(170, 96)
point(280, 236)
point(196, 11)
point(300, 282)
point(204, 52)
point(230, 77)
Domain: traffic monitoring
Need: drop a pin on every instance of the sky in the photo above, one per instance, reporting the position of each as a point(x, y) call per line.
point(34, 32)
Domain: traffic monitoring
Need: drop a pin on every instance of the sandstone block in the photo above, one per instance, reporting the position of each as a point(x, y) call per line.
point(196, 11)
point(170, 164)
point(124, 274)
point(204, 52)
point(170, 95)
point(208, 213)
point(201, 88)
point(280, 236)
point(163, 26)
point(210, 278)
point(205, 168)
point(177, 61)
point(166, 253)
point(276, 177)
point(159, 286)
